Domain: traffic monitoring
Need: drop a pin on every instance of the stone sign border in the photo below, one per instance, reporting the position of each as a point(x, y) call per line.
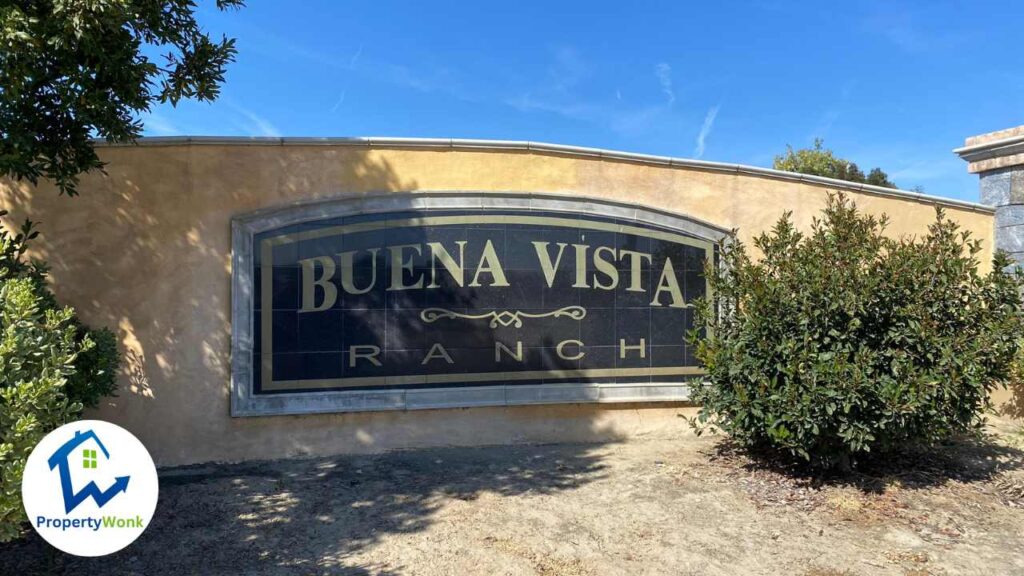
point(245, 227)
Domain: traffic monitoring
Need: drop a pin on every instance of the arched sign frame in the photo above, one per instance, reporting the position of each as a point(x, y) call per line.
point(246, 227)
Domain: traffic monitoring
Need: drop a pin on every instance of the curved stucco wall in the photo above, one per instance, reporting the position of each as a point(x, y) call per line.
point(145, 250)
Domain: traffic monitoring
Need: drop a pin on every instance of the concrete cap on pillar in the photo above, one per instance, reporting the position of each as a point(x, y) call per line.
point(998, 160)
point(995, 150)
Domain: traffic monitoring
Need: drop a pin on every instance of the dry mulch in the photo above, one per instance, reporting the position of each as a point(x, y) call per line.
point(684, 506)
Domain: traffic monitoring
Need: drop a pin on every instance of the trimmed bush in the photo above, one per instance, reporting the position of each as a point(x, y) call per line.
point(1015, 407)
point(845, 341)
point(51, 366)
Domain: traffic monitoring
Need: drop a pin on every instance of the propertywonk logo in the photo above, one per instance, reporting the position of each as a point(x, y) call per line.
point(89, 488)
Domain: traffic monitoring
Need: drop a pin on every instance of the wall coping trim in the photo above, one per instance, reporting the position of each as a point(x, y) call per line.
point(575, 151)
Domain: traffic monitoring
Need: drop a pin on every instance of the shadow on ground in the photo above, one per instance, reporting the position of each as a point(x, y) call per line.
point(306, 516)
point(964, 460)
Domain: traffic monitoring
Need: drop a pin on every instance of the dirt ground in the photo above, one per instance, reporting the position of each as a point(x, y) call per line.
point(692, 506)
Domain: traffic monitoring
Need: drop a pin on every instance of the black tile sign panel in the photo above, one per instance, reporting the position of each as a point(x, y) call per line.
point(470, 298)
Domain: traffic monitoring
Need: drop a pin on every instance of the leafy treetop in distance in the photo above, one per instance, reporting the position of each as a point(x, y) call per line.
point(74, 70)
point(821, 161)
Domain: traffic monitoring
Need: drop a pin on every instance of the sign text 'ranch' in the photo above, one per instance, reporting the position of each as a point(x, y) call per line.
point(459, 298)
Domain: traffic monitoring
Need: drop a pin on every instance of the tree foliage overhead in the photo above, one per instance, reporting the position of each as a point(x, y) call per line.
point(821, 161)
point(71, 70)
point(846, 341)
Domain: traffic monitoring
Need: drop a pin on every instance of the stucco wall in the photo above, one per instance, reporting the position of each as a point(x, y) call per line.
point(145, 250)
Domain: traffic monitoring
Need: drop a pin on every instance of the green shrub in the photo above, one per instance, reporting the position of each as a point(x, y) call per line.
point(1014, 408)
point(845, 341)
point(50, 367)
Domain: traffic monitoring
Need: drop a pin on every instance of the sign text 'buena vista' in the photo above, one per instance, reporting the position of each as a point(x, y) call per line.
point(472, 298)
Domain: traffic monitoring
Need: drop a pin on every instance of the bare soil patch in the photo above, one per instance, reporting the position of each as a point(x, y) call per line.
point(692, 506)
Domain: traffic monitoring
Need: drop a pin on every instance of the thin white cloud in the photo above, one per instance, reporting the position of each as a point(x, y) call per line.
point(567, 70)
point(705, 130)
point(899, 27)
point(636, 122)
point(831, 114)
point(929, 169)
point(341, 100)
point(913, 30)
point(571, 109)
point(355, 58)
point(426, 79)
point(158, 125)
point(563, 92)
point(432, 80)
point(348, 82)
point(254, 124)
point(664, 73)
point(824, 125)
point(626, 121)
point(561, 88)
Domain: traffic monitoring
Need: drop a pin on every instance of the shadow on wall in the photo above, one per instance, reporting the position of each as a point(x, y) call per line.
point(1009, 400)
point(145, 251)
point(316, 515)
point(1014, 406)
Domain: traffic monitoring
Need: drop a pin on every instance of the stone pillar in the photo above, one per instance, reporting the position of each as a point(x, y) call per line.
point(998, 159)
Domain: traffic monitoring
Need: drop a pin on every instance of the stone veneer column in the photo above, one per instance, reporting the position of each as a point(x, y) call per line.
point(998, 159)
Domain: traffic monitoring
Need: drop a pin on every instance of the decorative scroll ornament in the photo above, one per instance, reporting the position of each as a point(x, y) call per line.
point(505, 317)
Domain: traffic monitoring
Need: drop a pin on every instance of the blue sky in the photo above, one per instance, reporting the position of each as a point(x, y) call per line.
point(889, 84)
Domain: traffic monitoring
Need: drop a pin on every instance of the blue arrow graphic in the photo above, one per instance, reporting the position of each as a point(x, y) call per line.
point(59, 459)
point(72, 500)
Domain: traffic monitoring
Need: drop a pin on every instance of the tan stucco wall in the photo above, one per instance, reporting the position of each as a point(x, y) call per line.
point(145, 250)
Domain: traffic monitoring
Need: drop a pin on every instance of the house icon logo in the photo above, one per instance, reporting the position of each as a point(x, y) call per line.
point(61, 459)
point(89, 488)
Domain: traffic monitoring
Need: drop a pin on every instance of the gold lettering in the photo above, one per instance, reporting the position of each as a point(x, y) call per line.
point(581, 265)
point(668, 283)
point(366, 352)
point(437, 351)
point(606, 268)
point(544, 258)
point(518, 354)
point(561, 354)
point(347, 273)
point(400, 264)
point(438, 253)
point(623, 348)
point(310, 282)
point(635, 261)
point(490, 264)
